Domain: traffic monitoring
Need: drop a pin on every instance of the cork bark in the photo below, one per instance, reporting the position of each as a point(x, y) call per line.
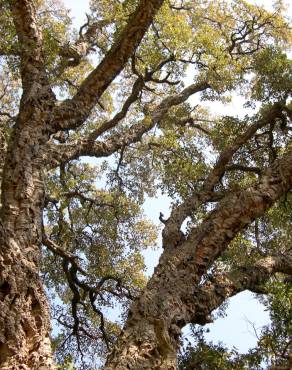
point(171, 299)
point(24, 312)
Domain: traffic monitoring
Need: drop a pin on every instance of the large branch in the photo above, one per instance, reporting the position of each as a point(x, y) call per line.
point(152, 331)
point(74, 112)
point(225, 285)
point(238, 210)
point(171, 232)
point(88, 147)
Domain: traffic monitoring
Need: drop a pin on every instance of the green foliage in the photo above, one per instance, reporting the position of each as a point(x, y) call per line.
point(206, 356)
point(275, 342)
point(273, 75)
point(107, 231)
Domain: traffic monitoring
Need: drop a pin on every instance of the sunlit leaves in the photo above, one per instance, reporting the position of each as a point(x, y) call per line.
point(273, 75)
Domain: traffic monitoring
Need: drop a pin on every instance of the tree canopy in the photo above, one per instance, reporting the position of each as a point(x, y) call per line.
point(95, 121)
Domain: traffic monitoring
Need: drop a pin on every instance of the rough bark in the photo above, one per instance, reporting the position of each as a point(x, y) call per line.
point(74, 112)
point(171, 232)
point(3, 147)
point(24, 313)
point(151, 334)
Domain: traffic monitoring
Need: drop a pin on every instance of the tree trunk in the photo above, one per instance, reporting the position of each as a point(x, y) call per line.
point(150, 338)
point(24, 312)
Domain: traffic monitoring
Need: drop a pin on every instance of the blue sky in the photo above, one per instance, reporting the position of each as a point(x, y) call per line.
point(235, 330)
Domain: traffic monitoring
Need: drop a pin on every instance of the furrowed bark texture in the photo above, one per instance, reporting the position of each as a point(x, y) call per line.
point(73, 112)
point(220, 287)
point(3, 147)
point(63, 153)
point(24, 313)
point(171, 299)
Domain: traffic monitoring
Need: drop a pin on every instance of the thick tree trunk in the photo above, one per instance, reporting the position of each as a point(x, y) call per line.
point(151, 336)
point(172, 297)
point(24, 312)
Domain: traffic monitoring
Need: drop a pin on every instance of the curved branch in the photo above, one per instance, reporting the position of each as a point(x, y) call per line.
point(72, 113)
point(68, 256)
point(167, 304)
point(136, 89)
point(171, 233)
point(223, 286)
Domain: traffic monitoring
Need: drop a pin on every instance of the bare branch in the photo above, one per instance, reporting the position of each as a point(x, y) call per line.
point(191, 121)
point(136, 89)
point(72, 54)
point(53, 247)
point(93, 201)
